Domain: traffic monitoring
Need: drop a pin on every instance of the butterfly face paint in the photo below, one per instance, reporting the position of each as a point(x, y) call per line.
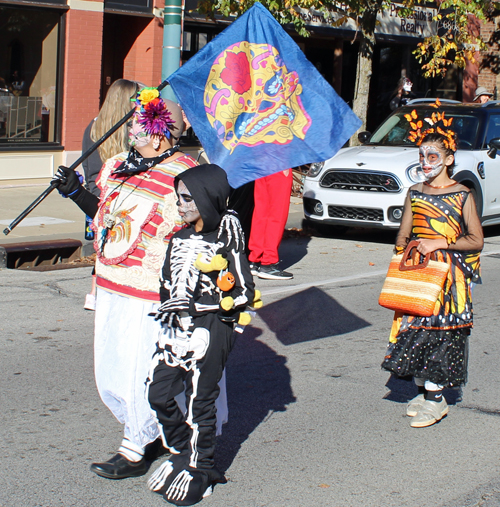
point(431, 160)
point(136, 135)
point(186, 205)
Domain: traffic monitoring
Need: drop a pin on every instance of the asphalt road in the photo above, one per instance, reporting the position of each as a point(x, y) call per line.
point(314, 421)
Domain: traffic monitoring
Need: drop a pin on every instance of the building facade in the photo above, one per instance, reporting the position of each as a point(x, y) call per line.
point(485, 70)
point(57, 60)
point(59, 57)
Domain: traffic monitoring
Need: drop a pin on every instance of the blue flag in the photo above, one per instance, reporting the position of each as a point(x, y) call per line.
point(257, 105)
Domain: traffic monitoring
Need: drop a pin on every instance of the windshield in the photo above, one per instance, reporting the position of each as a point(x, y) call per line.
point(395, 129)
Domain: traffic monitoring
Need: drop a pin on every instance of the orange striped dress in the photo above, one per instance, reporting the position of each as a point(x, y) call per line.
point(435, 348)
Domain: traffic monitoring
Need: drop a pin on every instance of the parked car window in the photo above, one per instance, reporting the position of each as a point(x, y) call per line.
point(394, 131)
point(466, 128)
point(493, 129)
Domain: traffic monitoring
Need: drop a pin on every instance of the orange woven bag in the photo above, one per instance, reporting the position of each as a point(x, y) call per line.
point(411, 287)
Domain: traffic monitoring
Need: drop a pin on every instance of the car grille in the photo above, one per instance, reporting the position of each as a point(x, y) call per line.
point(349, 213)
point(362, 181)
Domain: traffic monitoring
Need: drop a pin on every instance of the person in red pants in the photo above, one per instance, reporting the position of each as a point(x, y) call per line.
point(272, 203)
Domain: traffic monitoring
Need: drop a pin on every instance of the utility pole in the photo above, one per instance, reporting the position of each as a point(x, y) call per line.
point(171, 54)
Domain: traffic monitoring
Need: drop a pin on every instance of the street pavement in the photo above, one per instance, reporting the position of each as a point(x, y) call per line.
point(55, 218)
point(313, 420)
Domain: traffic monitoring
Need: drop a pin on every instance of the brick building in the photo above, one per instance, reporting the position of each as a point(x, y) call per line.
point(57, 60)
point(486, 70)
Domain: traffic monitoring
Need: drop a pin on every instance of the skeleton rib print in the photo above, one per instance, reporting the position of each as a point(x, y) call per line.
point(184, 276)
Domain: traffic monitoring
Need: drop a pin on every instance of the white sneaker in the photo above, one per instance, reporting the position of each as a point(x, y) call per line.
point(430, 413)
point(415, 405)
point(89, 302)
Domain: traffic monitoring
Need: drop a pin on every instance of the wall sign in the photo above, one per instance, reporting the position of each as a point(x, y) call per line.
point(390, 22)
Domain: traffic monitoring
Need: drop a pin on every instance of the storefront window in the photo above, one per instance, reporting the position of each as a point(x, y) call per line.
point(195, 38)
point(29, 42)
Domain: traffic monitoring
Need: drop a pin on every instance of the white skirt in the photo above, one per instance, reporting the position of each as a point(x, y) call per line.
point(125, 341)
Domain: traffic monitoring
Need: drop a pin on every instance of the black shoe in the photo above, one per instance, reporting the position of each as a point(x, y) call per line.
point(273, 272)
point(154, 450)
point(255, 268)
point(119, 467)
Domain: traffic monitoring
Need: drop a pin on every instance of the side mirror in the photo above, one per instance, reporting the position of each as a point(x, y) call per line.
point(494, 146)
point(364, 137)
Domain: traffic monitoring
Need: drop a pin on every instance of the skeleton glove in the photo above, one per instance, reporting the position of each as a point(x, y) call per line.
point(230, 225)
point(67, 181)
point(169, 307)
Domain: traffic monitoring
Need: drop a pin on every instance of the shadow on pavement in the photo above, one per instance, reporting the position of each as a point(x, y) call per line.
point(258, 384)
point(402, 390)
point(309, 315)
point(292, 249)
point(371, 234)
point(295, 242)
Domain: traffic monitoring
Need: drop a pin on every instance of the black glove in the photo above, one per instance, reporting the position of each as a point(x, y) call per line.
point(67, 181)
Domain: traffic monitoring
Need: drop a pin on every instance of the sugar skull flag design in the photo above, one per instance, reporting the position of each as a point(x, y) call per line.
point(256, 103)
point(251, 98)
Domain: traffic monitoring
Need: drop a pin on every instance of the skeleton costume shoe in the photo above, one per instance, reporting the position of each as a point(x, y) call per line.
point(180, 484)
point(198, 318)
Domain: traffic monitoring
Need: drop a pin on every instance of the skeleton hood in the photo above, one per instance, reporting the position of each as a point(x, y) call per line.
point(210, 189)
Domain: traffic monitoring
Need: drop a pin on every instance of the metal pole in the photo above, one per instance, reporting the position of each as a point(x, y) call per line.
point(171, 54)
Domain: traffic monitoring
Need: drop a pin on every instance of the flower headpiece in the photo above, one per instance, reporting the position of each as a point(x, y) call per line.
point(152, 113)
point(438, 124)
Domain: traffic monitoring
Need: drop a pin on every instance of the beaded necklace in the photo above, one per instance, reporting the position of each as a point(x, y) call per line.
point(110, 219)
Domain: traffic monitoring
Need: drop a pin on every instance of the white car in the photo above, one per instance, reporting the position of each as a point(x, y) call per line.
point(366, 186)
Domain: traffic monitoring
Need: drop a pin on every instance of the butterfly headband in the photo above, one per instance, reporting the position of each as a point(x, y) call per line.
point(151, 112)
point(438, 124)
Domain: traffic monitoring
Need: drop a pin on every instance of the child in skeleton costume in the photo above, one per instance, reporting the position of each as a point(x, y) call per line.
point(135, 218)
point(206, 285)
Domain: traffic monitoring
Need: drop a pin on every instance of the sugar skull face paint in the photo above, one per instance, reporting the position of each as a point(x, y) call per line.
point(186, 205)
point(432, 159)
point(136, 135)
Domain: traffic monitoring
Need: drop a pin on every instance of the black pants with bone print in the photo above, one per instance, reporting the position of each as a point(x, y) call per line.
point(190, 436)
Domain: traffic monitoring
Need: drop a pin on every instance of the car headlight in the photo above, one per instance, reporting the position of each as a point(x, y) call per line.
point(414, 173)
point(315, 169)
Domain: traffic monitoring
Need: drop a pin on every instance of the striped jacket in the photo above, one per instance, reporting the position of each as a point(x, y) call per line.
point(144, 213)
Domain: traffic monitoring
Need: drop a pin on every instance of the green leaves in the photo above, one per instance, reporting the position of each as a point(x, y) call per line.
point(436, 53)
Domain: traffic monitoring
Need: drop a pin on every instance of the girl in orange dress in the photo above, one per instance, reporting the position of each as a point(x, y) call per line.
point(441, 215)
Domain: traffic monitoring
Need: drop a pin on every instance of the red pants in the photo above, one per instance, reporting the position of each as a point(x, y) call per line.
point(272, 203)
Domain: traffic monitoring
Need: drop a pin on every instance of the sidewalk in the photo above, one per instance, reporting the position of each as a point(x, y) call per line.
point(59, 218)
